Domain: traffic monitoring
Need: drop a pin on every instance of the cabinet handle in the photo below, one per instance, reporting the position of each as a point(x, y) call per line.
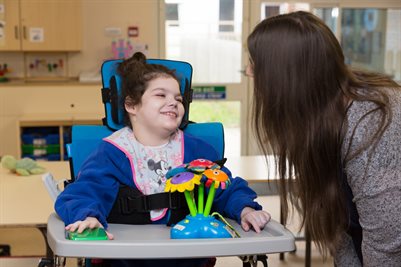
point(16, 32)
point(24, 31)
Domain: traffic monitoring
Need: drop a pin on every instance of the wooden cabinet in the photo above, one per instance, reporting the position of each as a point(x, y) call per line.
point(37, 25)
point(11, 29)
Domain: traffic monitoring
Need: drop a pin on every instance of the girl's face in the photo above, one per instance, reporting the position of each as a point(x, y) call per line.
point(160, 111)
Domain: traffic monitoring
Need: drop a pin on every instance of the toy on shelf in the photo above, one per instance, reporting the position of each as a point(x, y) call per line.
point(199, 223)
point(3, 71)
point(23, 167)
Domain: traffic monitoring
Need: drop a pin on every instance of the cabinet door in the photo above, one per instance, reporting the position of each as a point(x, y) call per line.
point(11, 35)
point(52, 25)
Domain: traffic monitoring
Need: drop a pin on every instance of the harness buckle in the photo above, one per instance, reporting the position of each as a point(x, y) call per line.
point(131, 204)
point(173, 200)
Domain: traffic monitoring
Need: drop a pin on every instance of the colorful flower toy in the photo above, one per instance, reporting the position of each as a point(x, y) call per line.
point(199, 224)
point(184, 182)
point(214, 178)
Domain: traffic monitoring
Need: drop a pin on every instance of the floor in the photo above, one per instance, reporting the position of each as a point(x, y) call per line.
point(27, 246)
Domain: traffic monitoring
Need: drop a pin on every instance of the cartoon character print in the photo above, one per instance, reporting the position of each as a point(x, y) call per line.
point(160, 168)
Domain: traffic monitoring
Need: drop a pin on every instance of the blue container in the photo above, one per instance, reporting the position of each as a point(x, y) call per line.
point(200, 226)
point(39, 139)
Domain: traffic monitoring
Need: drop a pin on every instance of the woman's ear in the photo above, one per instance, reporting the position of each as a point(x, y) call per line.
point(249, 70)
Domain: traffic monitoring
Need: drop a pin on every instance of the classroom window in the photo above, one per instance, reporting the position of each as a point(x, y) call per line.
point(371, 39)
point(226, 15)
point(329, 16)
point(273, 9)
point(209, 36)
point(228, 113)
point(172, 15)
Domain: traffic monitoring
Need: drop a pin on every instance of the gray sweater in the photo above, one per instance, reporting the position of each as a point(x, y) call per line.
point(376, 186)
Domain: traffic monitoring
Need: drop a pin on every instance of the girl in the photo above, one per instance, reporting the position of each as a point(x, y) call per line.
point(137, 157)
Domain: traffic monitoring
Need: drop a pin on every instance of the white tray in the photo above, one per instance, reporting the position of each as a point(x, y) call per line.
point(153, 241)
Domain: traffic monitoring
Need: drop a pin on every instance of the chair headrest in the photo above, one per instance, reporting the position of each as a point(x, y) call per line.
point(111, 91)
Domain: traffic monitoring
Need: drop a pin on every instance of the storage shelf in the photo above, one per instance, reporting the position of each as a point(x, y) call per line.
point(46, 145)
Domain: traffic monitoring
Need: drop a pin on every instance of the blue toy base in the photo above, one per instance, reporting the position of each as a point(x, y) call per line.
point(200, 227)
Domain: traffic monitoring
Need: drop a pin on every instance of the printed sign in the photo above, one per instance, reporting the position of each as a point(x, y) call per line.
point(209, 92)
point(36, 35)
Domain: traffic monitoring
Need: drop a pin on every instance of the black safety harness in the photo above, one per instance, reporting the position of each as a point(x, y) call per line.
point(133, 207)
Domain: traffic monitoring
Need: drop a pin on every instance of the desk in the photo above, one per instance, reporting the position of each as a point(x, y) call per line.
point(253, 168)
point(24, 200)
point(262, 177)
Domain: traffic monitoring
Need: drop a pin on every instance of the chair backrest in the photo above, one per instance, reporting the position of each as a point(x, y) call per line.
point(85, 138)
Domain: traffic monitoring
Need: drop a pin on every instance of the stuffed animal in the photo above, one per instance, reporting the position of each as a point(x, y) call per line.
point(24, 166)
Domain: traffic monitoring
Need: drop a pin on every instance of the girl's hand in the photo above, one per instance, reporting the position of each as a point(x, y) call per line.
point(255, 218)
point(89, 222)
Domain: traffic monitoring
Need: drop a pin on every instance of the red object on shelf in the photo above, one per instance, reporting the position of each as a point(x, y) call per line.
point(133, 31)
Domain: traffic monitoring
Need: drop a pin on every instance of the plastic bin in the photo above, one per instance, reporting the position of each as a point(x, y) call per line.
point(37, 139)
point(40, 150)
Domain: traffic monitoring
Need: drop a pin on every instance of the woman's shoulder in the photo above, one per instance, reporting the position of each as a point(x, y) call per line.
point(366, 124)
point(363, 112)
point(394, 95)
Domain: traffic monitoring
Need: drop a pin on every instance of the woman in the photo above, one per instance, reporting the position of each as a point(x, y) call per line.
point(337, 131)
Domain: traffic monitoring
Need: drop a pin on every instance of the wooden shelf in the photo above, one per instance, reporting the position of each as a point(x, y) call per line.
point(55, 120)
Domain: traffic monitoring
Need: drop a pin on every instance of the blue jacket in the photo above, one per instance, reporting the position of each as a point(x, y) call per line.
point(96, 188)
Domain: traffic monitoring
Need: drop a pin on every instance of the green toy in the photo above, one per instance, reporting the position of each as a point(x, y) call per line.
point(23, 167)
point(87, 235)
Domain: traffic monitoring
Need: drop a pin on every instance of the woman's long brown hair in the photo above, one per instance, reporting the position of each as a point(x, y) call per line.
point(302, 90)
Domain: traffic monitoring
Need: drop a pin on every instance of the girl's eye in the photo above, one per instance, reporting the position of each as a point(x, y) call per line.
point(179, 100)
point(160, 95)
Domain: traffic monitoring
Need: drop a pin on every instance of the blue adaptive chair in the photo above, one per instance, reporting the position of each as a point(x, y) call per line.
point(85, 138)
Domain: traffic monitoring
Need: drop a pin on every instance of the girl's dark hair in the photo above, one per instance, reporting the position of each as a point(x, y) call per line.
point(136, 74)
point(302, 89)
